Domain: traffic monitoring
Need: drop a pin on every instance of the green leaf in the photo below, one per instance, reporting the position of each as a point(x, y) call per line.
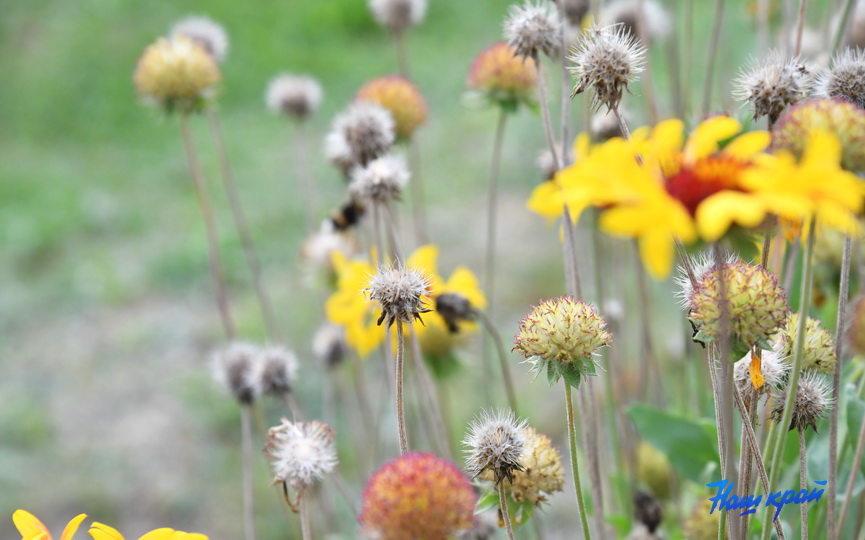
point(527, 509)
point(571, 374)
point(620, 522)
point(552, 372)
point(487, 502)
point(684, 441)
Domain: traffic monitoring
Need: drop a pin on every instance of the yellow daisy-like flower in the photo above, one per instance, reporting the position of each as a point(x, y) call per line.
point(348, 308)
point(100, 531)
point(31, 528)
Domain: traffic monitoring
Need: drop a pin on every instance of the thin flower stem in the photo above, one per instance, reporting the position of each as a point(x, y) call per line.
point(713, 53)
point(304, 518)
point(572, 438)
point(379, 255)
point(391, 228)
point(428, 390)
point(400, 410)
point(841, 31)
point(647, 343)
point(800, 28)
point(401, 53)
point(590, 430)
point(840, 324)
point(848, 492)
point(237, 212)
point(503, 358)
point(623, 126)
point(798, 353)
point(545, 114)
point(418, 206)
point(301, 163)
point(688, 61)
point(212, 243)
point(803, 483)
point(648, 87)
point(763, 24)
point(566, 100)
point(246, 450)
point(503, 505)
point(572, 276)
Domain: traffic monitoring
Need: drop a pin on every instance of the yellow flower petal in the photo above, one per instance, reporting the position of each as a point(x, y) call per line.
point(745, 146)
point(755, 370)
point(29, 525)
point(72, 527)
point(547, 200)
point(656, 251)
point(464, 282)
point(100, 531)
point(160, 534)
point(707, 135)
point(718, 212)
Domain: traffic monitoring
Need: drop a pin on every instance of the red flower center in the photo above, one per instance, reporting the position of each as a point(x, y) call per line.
point(693, 183)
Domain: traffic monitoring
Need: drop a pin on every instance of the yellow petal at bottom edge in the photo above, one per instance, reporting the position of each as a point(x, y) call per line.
point(28, 525)
point(72, 527)
point(101, 531)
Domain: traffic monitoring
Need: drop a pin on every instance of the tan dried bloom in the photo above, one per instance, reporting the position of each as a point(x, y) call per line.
point(819, 345)
point(296, 96)
point(381, 180)
point(813, 401)
point(204, 31)
point(176, 72)
point(301, 452)
point(773, 367)
point(542, 473)
point(398, 15)
point(275, 370)
point(495, 443)
point(773, 84)
point(626, 13)
point(532, 29)
point(401, 292)
point(234, 366)
point(502, 77)
point(607, 60)
point(360, 134)
point(846, 78)
point(401, 97)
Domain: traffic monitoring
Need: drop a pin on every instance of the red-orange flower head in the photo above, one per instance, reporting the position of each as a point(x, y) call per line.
point(417, 497)
point(693, 183)
point(399, 96)
point(501, 76)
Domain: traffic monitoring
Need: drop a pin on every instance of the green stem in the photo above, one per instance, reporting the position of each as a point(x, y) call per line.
point(713, 50)
point(572, 439)
point(503, 504)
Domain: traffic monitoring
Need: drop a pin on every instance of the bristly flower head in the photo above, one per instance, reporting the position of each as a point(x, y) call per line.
point(856, 331)
point(495, 443)
point(532, 29)
point(400, 291)
point(204, 31)
point(846, 79)
point(836, 115)
point(560, 336)
point(275, 370)
point(773, 84)
point(541, 474)
point(398, 15)
point(573, 11)
point(819, 345)
point(813, 401)
point(360, 134)
point(301, 452)
point(627, 14)
point(417, 496)
point(773, 369)
point(606, 60)
point(755, 304)
point(381, 180)
point(234, 367)
point(399, 96)
point(176, 72)
point(296, 96)
point(501, 77)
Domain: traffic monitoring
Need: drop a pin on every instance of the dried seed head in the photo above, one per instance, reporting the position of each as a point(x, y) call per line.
point(773, 84)
point(495, 443)
point(400, 291)
point(401, 97)
point(234, 367)
point(755, 304)
point(835, 115)
point(454, 309)
point(606, 60)
point(546, 163)
point(573, 11)
point(541, 474)
point(381, 180)
point(813, 401)
point(605, 126)
point(819, 345)
point(501, 77)
point(329, 346)
point(562, 333)
point(398, 15)
point(176, 72)
point(653, 469)
point(773, 367)
point(300, 452)
point(846, 79)
point(296, 96)
point(360, 134)
point(856, 330)
point(275, 370)
point(417, 496)
point(319, 248)
point(532, 29)
point(205, 32)
point(626, 13)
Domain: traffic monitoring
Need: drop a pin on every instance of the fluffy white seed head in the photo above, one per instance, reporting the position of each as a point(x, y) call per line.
point(319, 247)
point(398, 15)
point(627, 14)
point(606, 60)
point(329, 346)
point(382, 179)
point(360, 134)
point(772, 84)
point(297, 96)
point(495, 443)
point(773, 368)
point(813, 401)
point(532, 29)
point(205, 32)
point(846, 78)
point(234, 367)
point(301, 452)
point(400, 291)
point(275, 370)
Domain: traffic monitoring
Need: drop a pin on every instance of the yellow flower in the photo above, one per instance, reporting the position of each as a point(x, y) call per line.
point(348, 308)
point(100, 531)
point(31, 528)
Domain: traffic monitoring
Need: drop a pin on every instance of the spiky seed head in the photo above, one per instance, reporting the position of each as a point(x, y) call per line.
point(653, 469)
point(573, 11)
point(563, 332)
point(381, 180)
point(605, 126)
point(401, 97)
point(204, 31)
point(532, 29)
point(401, 292)
point(843, 118)
point(329, 346)
point(819, 345)
point(234, 367)
point(176, 72)
point(607, 60)
point(301, 452)
point(846, 78)
point(500, 76)
point(398, 15)
point(541, 474)
point(755, 304)
point(813, 402)
point(702, 523)
point(417, 496)
point(856, 330)
point(773, 84)
point(774, 368)
point(495, 443)
point(318, 249)
point(627, 14)
point(296, 96)
point(275, 370)
point(360, 134)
